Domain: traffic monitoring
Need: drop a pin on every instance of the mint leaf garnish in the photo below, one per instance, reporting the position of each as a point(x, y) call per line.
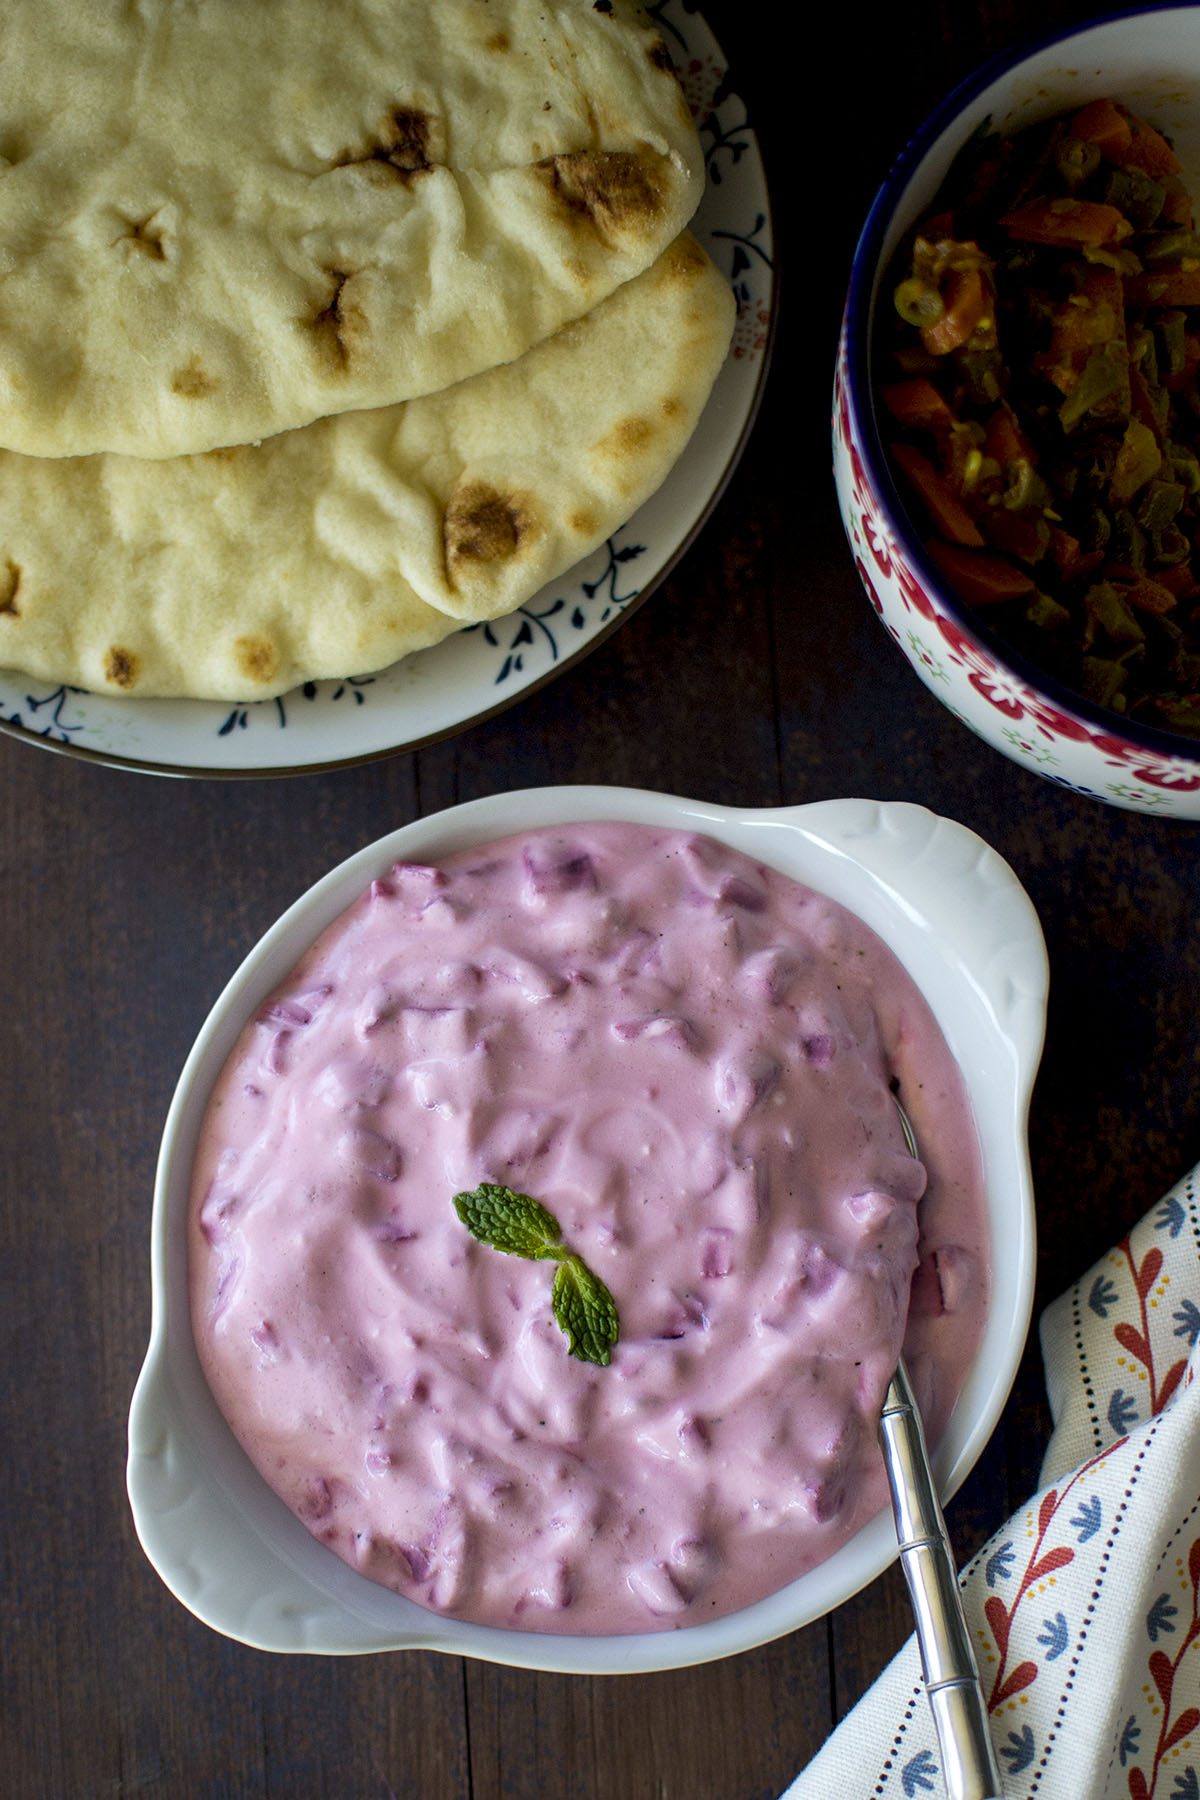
point(585, 1310)
point(521, 1226)
point(510, 1222)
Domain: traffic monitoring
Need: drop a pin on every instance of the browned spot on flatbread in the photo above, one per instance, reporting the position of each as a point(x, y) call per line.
point(618, 193)
point(10, 587)
point(257, 657)
point(403, 147)
point(499, 42)
point(659, 55)
point(339, 327)
point(121, 667)
point(142, 235)
point(627, 438)
point(673, 408)
point(483, 526)
point(193, 380)
point(684, 260)
point(582, 522)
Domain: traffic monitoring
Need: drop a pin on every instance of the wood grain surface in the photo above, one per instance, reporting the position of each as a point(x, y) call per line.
point(756, 676)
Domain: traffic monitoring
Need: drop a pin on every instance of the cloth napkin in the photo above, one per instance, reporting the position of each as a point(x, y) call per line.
point(1085, 1607)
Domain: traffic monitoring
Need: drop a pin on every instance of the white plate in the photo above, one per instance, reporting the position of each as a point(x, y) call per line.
point(481, 670)
point(955, 914)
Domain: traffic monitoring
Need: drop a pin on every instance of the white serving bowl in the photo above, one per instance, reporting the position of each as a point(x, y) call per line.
point(954, 913)
point(1151, 60)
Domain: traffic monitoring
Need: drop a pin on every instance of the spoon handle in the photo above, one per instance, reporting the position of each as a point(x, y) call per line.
point(947, 1659)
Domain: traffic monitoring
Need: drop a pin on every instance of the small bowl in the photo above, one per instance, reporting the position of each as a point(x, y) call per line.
point(955, 914)
point(1151, 60)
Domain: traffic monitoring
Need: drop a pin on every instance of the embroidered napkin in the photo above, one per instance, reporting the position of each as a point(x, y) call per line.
point(1085, 1607)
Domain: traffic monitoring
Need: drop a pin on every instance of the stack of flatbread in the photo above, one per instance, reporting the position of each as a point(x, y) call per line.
point(327, 326)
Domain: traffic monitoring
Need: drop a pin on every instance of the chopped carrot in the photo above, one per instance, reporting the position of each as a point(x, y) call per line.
point(967, 300)
point(1005, 441)
point(979, 576)
point(1069, 557)
point(1165, 287)
point(1093, 314)
point(1025, 535)
point(1150, 596)
point(1101, 124)
point(1149, 151)
point(1067, 223)
point(945, 509)
point(1179, 580)
point(917, 404)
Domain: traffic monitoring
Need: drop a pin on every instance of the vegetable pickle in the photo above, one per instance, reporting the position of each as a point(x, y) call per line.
point(1038, 371)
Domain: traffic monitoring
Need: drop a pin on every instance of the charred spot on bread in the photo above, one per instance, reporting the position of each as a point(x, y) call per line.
point(143, 237)
point(684, 260)
point(193, 381)
point(121, 667)
point(338, 327)
point(403, 147)
point(618, 193)
point(10, 587)
point(628, 437)
point(483, 526)
point(257, 657)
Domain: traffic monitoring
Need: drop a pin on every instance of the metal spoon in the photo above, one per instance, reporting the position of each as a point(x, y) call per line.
point(947, 1659)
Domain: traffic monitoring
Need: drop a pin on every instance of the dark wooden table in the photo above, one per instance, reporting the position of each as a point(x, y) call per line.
point(757, 675)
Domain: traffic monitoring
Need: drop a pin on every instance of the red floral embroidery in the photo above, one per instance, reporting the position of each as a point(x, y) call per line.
point(1137, 1341)
point(1163, 1670)
point(1042, 1562)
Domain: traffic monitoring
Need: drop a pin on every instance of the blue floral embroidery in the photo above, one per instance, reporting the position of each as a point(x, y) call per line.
point(921, 1772)
point(1129, 1738)
point(1019, 1750)
point(1159, 1617)
point(999, 1564)
point(1170, 1217)
point(1186, 1786)
point(1188, 1316)
point(1088, 1519)
point(1122, 1411)
point(1102, 1296)
point(1055, 1636)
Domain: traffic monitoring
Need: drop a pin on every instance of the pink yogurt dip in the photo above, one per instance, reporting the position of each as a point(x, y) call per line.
point(686, 1057)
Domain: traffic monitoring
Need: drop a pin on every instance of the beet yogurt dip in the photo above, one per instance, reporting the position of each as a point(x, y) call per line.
point(689, 1059)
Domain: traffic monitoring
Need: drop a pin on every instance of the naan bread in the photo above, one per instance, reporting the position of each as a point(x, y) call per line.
point(221, 219)
point(335, 549)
